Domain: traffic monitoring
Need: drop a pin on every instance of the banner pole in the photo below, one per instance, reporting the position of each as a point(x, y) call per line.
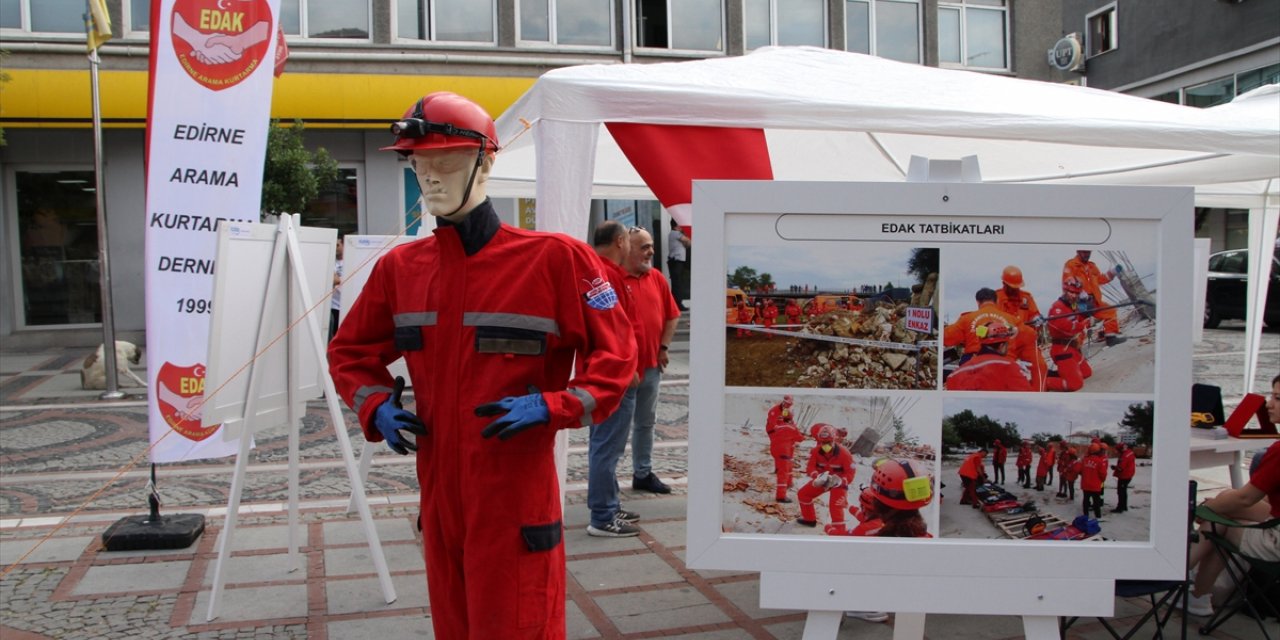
point(104, 263)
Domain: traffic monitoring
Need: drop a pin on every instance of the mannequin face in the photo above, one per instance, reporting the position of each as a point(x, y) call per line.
point(443, 176)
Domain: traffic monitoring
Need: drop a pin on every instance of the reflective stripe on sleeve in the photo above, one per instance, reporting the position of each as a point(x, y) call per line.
point(417, 319)
point(363, 394)
point(588, 404)
point(511, 320)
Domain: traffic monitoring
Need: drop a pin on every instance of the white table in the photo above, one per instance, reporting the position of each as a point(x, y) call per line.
point(1209, 452)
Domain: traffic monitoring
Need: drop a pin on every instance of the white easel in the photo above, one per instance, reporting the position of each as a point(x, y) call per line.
point(279, 379)
point(837, 593)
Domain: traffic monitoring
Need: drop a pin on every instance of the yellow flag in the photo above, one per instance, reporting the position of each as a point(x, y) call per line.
point(99, 24)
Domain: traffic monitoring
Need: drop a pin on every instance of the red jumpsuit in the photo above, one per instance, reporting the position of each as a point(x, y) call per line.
point(839, 463)
point(1023, 463)
point(971, 472)
point(999, 454)
point(780, 413)
point(770, 316)
point(1068, 472)
point(1093, 474)
point(1023, 306)
point(1126, 467)
point(1022, 347)
point(783, 439)
point(1043, 467)
point(793, 312)
point(1092, 278)
point(988, 372)
point(1067, 335)
point(481, 311)
point(744, 317)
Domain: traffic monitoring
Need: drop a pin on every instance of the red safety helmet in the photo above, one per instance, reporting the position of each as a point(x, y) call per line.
point(787, 399)
point(1095, 448)
point(901, 483)
point(1012, 277)
point(1072, 285)
point(823, 432)
point(866, 504)
point(995, 331)
point(444, 120)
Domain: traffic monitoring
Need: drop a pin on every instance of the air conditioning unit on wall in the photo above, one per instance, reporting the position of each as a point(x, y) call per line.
point(1067, 53)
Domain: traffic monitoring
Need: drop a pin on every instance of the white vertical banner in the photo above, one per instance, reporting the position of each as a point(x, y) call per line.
point(208, 112)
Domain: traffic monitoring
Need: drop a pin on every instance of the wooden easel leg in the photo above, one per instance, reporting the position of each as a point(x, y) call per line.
point(366, 462)
point(822, 625)
point(229, 525)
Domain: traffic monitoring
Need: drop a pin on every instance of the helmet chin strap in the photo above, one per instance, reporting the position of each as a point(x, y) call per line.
point(466, 195)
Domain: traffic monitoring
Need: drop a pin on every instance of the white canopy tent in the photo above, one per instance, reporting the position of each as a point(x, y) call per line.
point(831, 115)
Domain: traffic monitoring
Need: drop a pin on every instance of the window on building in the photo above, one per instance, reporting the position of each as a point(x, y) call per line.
point(43, 16)
point(973, 33)
point(1211, 93)
point(1100, 33)
point(446, 20)
point(58, 248)
point(690, 25)
point(325, 18)
point(139, 18)
point(785, 23)
point(1173, 97)
point(1250, 80)
point(567, 22)
point(337, 206)
point(886, 28)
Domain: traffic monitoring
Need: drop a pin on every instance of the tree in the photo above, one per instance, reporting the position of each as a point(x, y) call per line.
point(922, 263)
point(900, 435)
point(1140, 419)
point(765, 282)
point(744, 278)
point(967, 427)
point(293, 176)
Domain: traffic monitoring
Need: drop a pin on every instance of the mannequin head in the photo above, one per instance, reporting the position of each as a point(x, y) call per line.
point(450, 142)
point(446, 176)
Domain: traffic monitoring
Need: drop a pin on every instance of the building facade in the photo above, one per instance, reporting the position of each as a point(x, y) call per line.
point(1199, 53)
point(356, 64)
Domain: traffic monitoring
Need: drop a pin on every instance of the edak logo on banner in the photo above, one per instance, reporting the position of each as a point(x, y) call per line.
point(180, 391)
point(219, 43)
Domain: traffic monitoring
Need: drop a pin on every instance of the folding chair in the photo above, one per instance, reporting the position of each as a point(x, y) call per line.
point(1168, 591)
point(1264, 577)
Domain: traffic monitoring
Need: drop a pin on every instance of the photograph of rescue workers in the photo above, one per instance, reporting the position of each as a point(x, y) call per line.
point(1081, 470)
point(830, 465)
point(1049, 318)
point(844, 315)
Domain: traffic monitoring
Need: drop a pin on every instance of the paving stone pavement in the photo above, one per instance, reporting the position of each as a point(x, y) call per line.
point(61, 455)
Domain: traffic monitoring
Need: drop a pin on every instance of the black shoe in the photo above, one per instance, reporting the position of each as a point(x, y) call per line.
point(1115, 340)
point(629, 517)
point(649, 483)
point(783, 500)
point(1118, 510)
point(807, 523)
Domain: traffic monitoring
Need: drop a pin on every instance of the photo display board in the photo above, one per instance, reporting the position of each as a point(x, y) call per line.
point(859, 316)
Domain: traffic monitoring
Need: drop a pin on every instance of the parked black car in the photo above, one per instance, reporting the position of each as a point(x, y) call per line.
point(1225, 295)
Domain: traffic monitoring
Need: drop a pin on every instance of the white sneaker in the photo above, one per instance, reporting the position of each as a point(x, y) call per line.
point(869, 616)
point(1196, 605)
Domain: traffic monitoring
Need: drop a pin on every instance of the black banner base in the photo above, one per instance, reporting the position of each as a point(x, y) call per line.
point(137, 533)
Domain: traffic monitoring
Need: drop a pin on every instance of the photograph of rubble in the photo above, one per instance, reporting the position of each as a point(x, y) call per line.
point(848, 315)
point(1055, 318)
point(1081, 469)
point(835, 465)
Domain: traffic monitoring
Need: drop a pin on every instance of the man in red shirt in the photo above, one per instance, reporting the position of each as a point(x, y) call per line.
point(1093, 475)
point(1257, 501)
point(770, 315)
point(656, 316)
point(830, 469)
point(1126, 466)
point(990, 368)
point(793, 312)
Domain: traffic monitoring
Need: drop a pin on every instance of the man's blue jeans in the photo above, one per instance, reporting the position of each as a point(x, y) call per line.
point(608, 442)
point(646, 411)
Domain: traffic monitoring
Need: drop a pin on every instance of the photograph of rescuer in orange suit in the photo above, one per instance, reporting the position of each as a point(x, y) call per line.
point(489, 319)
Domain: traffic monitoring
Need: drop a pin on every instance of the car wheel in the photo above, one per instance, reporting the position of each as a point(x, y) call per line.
point(1212, 318)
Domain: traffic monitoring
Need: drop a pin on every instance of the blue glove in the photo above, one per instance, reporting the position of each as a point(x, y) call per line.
point(393, 422)
point(1083, 306)
point(1119, 269)
point(518, 413)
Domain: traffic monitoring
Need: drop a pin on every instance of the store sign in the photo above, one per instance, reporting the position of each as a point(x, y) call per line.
point(1066, 54)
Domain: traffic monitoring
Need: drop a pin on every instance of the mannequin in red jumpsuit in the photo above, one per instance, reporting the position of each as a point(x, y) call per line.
point(489, 319)
point(1012, 299)
point(1067, 326)
point(1091, 280)
point(770, 315)
point(1093, 476)
point(1126, 467)
point(990, 368)
point(830, 469)
point(972, 474)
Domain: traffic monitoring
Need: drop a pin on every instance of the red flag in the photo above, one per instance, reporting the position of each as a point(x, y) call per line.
point(670, 157)
point(282, 52)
